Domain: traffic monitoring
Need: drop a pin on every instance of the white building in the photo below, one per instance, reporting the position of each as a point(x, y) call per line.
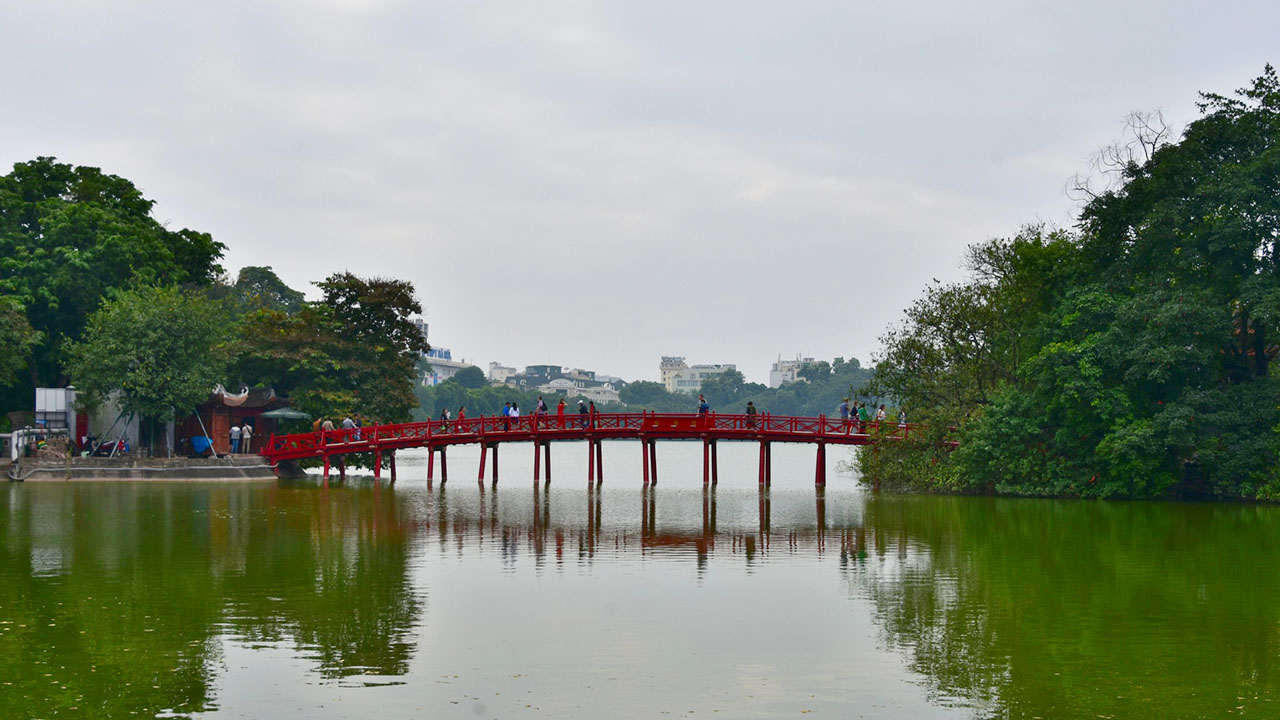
point(499, 374)
point(678, 376)
point(443, 366)
point(785, 371)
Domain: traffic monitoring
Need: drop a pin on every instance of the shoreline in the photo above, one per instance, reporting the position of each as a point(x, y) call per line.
point(246, 468)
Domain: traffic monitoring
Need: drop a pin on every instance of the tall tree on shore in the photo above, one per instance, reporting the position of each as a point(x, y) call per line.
point(68, 236)
point(354, 351)
point(1137, 355)
point(157, 348)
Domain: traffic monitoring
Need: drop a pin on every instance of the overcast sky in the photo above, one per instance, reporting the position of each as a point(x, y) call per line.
point(598, 184)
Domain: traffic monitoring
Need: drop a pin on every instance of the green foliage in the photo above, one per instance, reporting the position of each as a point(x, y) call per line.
point(1134, 358)
point(354, 352)
point(155, 346)
point(259, 288)
point(17, 338)
point(71, 235)
point(471, 378)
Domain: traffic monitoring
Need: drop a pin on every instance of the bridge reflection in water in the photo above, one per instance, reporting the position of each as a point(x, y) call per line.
point(578, 525)
point(437, 436)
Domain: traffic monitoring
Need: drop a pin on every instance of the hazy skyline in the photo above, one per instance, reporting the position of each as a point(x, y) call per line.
point(597, 185)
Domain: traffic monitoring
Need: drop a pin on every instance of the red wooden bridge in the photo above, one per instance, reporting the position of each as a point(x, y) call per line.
point(489, 432)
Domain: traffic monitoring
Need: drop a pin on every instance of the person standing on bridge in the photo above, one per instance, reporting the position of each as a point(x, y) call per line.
point(881, 415)
point(902, 417)
point(462, 415)
point(582, 414)
point(703, 407)
point(560, 413)
point(844, 415)
point(234, 435)
point(751, 414)
point(515, 412)
point(349, 426)
point(506, 416)
point(863, 417)
point(444, 419)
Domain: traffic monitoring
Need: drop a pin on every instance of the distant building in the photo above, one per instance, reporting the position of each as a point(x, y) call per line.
point(442, 366)
point(559, 380)
point(499, 374)
point(678, 376)
point(785, 371)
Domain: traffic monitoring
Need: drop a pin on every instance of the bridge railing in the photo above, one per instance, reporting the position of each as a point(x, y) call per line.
point(421, 433)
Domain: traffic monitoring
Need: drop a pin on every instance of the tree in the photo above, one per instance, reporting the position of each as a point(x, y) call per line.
point(355, 351)
point(259, 288)
point(470, 377)
point(156, 347)
point(71, 235)
point(1133, 358)
point(17, 337)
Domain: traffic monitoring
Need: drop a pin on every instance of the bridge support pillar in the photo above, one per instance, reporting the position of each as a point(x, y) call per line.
point(326, 468)
point(342, 468)
point(591, 462)
point(599, 462)
point(484, 453)
point(653, 462)
point(494, 472)
point(546, 458)
point(766, 463)
point(391, 458)
point(644, 459)
point(706, 461)
point(444, 467)
point(537, 463)
point(715, 469)
point(431, 463)
point(377, 464)
point(820, 472)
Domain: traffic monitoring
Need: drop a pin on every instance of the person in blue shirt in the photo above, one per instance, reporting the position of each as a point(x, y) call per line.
point(703, 407)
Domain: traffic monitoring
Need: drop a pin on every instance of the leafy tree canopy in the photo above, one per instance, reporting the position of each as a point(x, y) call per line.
point(1132, 358)
point(69, 236)
point(157, 347)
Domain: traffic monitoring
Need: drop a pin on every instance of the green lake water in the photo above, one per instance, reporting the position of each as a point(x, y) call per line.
point(298, 601)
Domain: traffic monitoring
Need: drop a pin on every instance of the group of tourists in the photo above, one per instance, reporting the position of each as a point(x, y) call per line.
point(241, 438)
point(858, 415)
point(351, 423)
point(586, 411)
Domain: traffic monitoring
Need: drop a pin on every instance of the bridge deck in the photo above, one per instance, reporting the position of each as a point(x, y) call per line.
point(643, 426)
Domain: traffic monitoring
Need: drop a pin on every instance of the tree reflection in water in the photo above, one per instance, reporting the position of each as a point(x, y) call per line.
point(122, 597)
point(115, 598)
point(1023, 608)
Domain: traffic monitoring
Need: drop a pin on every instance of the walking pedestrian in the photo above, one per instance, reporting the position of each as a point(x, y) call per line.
point(234, 434)
point(881, 414)
point(462, 415)
point(444, 419)
point(751, 414)
point(349, 426)
point(560, 414)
